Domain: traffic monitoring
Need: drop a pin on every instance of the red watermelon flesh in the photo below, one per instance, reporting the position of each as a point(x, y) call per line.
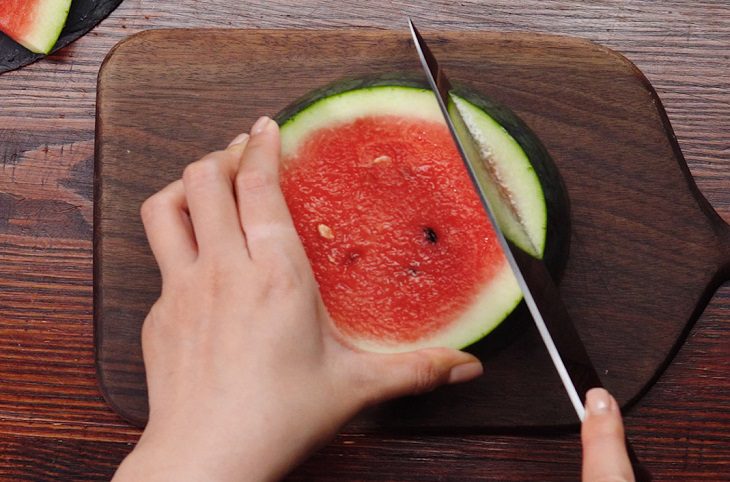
point(395, 232)
point(35, 24)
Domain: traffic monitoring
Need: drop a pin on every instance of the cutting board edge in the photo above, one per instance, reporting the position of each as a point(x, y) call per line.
point(721, 227)
point(722, 230)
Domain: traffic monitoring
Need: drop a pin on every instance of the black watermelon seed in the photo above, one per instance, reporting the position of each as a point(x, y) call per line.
point(430, 235)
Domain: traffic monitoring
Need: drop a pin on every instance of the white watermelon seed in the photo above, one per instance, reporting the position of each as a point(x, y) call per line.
point(325, 231)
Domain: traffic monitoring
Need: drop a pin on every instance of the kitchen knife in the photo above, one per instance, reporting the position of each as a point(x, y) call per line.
point(542, 297)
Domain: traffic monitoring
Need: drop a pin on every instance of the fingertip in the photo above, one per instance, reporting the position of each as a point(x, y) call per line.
point(450, 358)
point(168, 228)
point(599, 402)
point(447, 358)
point(464, 366)
point(262, 146)
point(603, 416)
point(240, 139)
point(465, 372)
point(415, 372)
point(263, 125)
point(602, 433)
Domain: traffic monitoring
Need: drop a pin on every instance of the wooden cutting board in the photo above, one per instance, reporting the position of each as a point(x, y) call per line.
point(647, 250)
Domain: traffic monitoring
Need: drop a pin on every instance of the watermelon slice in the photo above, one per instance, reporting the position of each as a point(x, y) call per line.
point(404, 254)
point(35, 24)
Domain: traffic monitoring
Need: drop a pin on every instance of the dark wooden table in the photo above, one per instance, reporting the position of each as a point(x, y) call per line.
point(53, 422)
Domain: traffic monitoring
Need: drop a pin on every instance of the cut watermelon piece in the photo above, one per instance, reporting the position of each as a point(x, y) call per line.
point(34, 24)
point(404, 254)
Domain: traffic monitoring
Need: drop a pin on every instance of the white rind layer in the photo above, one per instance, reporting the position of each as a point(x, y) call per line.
point(495, 301)
point(518, 175)
point(348, 106)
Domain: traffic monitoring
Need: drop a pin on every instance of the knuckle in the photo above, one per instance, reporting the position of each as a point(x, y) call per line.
point(176, 285)
point(216, 158)
point(362, 377)
point(603, 432)
point(608, 427)
point(217, 275)
point(425, 375)
point(152, 206)
point(207, 169)
point(255, 179)
point(148, 209)
point(366, 387)
point(153, 323)
point(282, 279)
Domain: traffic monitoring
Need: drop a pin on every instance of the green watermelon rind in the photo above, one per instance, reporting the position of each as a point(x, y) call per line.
point(501, 295)
point(557, 238)
point(43, 34)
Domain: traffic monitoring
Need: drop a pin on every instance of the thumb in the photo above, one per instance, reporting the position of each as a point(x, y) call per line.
point(602, 434)
point(410, 373)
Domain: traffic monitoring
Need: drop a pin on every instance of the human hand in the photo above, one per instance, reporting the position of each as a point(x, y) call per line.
point(246, 372)
point(604, 448)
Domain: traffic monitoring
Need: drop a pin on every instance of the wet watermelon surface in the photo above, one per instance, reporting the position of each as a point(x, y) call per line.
point(395, 233)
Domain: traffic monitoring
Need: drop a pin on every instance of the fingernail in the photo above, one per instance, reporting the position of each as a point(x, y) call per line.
point(260, 125)
point(240, 139)
point(598, 401)
point(465, 372)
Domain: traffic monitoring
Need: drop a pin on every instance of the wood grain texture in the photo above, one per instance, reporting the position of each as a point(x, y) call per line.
point(53, 421)
point(644, 254)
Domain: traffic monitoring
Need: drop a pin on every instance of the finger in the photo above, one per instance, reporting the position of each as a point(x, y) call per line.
point(263, 211)
point(604, 450)
point(211, 201)
point(396, 375)
point(240, 140)
point(166, 218)
point(168, 228)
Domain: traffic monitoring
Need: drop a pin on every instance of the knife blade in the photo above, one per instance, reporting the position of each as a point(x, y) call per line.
point(542, 297)
point(540, 293)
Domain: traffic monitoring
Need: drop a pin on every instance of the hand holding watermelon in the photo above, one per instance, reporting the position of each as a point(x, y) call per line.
point(246, 371)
